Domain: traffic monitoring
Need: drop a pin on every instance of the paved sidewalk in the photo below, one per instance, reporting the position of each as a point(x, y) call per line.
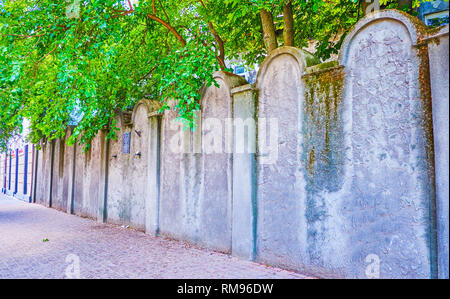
point(104, 251)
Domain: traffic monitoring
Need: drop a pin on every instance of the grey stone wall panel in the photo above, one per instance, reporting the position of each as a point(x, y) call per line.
point(87, 179)
point(386, 204)
point(281, 218)
point(196, 190)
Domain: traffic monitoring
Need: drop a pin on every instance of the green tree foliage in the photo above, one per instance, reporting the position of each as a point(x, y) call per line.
point(93, 58)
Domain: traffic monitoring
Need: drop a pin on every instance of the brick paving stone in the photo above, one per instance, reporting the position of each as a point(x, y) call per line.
point(106, 251)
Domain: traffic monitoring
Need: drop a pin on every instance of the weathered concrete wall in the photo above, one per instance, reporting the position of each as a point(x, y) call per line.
point(58, 164)
point(88, 176)
point(43, 174)
point(281, 229)
point(68, 179)
point(386, 203)
point(350, 181)
point(196, 171)
point(171, 213)
point(67, 172)
point(138, 173)
point(329, 169)
point(118, 205)
point(322, 165)
point(39, 178)
point(62, 169)
point(439, 52)
point(133, 190)
point(244, 170)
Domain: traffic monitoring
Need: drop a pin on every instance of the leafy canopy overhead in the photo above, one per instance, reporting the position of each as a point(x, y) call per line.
point(93, 58)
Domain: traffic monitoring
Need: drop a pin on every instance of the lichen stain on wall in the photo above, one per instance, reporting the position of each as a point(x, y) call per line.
point(323, 150)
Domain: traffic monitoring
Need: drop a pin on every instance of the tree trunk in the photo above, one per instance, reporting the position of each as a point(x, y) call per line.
point(220, 43)
point(270, 37)
point(288, 33)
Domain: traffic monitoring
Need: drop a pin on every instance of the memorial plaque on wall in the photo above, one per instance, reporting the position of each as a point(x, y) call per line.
point(126, 142)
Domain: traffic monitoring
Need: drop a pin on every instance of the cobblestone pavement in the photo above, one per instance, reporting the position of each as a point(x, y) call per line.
point(105, 251)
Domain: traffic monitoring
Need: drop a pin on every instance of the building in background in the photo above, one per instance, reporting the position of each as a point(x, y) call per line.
point(434, 13)
point(16, 166)
point(248, 73)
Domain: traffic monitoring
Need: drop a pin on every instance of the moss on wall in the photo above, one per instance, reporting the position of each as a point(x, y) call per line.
point(426, 99)
point(323, 149)
point(323, 136)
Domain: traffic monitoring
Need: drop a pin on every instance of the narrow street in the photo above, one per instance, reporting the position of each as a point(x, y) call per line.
point(38, 242)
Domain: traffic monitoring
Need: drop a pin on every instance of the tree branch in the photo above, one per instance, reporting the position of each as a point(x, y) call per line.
point(168, 26)
point(220, 42)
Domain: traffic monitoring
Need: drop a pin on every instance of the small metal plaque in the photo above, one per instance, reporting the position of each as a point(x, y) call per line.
point(126, 142)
